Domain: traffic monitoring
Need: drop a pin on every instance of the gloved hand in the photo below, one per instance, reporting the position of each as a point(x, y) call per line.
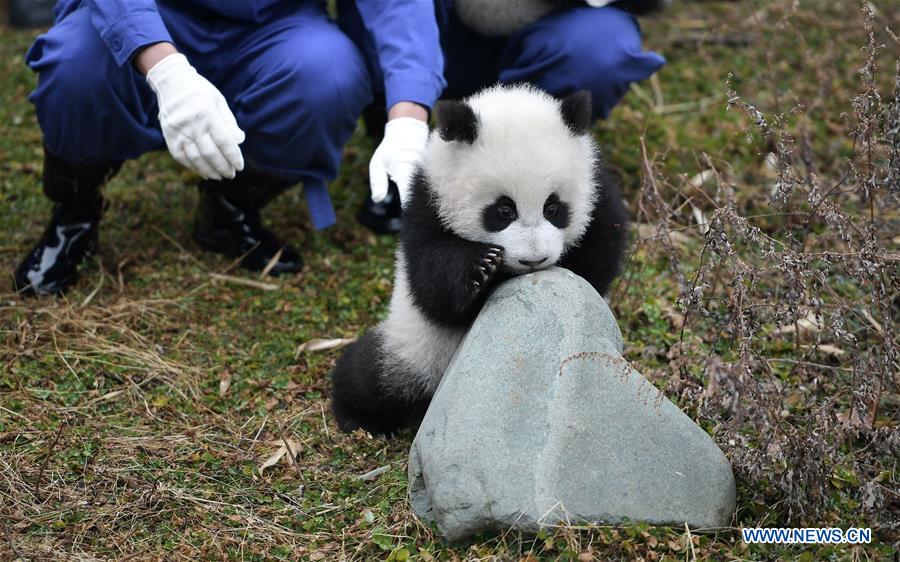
point(403, 144)
point(199, 128)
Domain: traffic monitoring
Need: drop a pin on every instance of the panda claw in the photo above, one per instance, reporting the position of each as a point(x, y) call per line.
point(484, 271)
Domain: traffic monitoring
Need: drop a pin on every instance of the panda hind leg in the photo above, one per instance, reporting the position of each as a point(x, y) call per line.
point(358, 398)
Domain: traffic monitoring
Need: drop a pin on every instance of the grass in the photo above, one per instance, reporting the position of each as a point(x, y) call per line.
point(136, 412)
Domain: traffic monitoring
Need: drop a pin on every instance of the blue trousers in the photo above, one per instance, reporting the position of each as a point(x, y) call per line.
point(297, 85)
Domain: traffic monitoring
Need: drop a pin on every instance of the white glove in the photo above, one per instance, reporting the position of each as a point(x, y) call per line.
point(403, 144)
point(200, 130)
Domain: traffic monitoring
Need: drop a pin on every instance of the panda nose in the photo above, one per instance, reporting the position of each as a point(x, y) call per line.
point(532, 263)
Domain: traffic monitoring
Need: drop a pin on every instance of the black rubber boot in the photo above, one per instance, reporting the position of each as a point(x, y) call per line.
point(228, 222)
point(385, 217)
point(51, 266)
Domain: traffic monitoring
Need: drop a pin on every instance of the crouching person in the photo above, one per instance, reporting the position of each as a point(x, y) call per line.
point(255, 96)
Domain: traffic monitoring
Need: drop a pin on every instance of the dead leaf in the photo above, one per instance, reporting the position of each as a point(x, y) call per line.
point(701, 178)
point(676, 319)
point(271, 403)
point(700, 218)
point(224, 383)
point(373, 474)
point(875, 324)
point(651, 231)
point(273, 460)
point(245, 282)
point(109, 396)
point(826, 348)
point(322, 345)
point(807, 326)
point(281, 453)
point(851, 418)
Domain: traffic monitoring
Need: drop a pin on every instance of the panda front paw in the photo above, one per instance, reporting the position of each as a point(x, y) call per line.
point(484, 270)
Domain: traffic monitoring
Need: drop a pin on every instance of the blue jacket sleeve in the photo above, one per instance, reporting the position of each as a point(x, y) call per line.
point(405, 34)
point(127, 25)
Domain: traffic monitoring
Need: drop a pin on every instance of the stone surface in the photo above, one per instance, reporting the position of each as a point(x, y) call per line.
point(540, 421)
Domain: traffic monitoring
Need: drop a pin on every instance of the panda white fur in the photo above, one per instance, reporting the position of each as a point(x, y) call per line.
point(510, 182)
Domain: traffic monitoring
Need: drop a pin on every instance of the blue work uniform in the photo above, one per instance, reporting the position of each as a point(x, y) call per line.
point(294, 81)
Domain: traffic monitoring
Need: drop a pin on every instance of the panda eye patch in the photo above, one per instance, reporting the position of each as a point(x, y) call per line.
point(556, 211)
point(499, 214)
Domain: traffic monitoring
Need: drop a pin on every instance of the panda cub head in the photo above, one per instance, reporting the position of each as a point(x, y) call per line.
point(514, 167)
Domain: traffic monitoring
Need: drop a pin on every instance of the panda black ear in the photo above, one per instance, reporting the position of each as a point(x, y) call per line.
point(577, 112)
point(456, 121)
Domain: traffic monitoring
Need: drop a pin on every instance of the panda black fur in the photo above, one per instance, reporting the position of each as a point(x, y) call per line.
point(510, 182)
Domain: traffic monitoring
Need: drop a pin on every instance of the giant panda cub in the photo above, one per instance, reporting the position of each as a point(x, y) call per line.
point(510, 183)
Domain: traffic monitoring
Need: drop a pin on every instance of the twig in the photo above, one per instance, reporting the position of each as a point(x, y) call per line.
point(237, 261)
point(690, 540)
point(12, 545)
point(324, 421)
point(657, 91)
point(373, 474)
point(87, 300)
point(806, 364)
point(17, 414)
point(63, 357)
point(258, 433)
point(246, 282)
point(700, 105)
point(876, 402)
point(177, 245)
point(272, 263)
point(120, 277)
point(40, 475)
point(290, 452)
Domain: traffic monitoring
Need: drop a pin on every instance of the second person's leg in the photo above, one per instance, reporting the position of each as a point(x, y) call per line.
point(583, 48)
point(297, 86)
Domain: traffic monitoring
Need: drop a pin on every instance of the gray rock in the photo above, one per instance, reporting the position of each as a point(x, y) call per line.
point(540, 421)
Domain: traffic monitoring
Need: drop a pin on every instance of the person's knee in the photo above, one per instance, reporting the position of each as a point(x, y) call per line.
point(314, 92)
point(90, 109)
point(73, 65)
point(608, 66)
point(594, 49)
point(334, 87)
